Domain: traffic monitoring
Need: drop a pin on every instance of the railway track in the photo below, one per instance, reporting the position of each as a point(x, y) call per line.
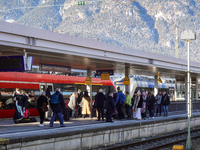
point(180, 138)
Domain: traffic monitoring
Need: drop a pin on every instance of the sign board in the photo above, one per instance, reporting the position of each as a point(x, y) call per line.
point(99, 72)
point(105, 76)
point(126, 80)
point(55, 68)
point(188, 35)
point(88, 81)
point(159, 80)
point(15, 63)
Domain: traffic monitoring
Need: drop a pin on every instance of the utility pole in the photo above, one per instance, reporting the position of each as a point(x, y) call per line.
point(187, 36)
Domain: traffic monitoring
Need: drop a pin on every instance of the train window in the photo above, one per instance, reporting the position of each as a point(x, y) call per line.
point(6, 100)
point(42, 87)
point(96, 88)
point(68, 88)
point(82, 87)
point(50, 87)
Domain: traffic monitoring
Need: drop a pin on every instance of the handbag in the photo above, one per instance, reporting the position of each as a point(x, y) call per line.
point(44, 107)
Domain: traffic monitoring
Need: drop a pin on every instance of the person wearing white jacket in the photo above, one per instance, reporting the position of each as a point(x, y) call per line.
point(72, 103)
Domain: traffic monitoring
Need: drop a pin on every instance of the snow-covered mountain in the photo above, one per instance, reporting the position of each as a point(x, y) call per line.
point(146, 25)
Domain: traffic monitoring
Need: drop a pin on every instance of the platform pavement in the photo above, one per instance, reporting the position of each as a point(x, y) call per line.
point(8, 129)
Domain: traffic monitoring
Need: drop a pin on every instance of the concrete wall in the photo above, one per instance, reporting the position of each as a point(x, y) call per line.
point(102, 137)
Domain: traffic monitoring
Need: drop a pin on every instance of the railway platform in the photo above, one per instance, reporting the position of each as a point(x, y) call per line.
point(87, 133)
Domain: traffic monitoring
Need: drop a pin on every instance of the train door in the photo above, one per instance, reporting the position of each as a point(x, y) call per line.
point(44, 86)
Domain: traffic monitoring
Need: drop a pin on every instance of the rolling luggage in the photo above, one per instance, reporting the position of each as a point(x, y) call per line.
point(66, 114)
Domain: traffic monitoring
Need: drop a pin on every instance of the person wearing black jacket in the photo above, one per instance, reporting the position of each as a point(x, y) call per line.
point(151, 102)
point(100, 102)
point(110, 107)
point(78, 100)
point(165, 102)
point(58, 108)
point(42, 99)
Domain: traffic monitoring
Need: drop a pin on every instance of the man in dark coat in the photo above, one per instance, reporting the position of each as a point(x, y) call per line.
point(151, 102)
point(42, 99)
point(100, 101)
point(57, 108)
point(165, 102)
point(78, 100)
point(110, 107)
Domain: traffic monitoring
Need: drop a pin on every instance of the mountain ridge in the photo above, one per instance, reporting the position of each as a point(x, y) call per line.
point(143, 25)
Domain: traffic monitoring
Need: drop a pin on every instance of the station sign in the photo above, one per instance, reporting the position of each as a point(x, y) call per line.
point(55, 68)
point(126, 80)
point(99, 72)
point(105, 76)
point(88, 81)
point(159, 80)
point(16, 63)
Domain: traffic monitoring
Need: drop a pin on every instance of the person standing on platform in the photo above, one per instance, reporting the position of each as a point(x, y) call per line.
point(159, 106)
point(40, 101)
point(132, 101)
point(100, 102)
point(72, 103)
point(128, 105)
point(121, 98)
point(151, 100)
point(138, 105)
point(110, 107)
point(57, 105)
point(143, 111)
point(86, 109)
point(78, 101)
point(165, 102)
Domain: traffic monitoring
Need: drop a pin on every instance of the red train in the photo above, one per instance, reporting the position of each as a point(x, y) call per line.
point(34, 84)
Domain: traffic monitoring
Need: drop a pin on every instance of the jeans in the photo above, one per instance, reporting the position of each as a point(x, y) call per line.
point(151, 113)
point(42, 115)
point(72, 113)
point(19, 109)
point(165, 108)
point(128, 111)
point(60, 115)
point(119, 110)
point(100, 113)
point(159, 106)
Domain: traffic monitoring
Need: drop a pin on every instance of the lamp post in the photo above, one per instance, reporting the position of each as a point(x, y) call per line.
point(187, 36)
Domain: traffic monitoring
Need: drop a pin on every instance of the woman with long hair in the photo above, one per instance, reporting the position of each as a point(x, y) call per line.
point(86, 109)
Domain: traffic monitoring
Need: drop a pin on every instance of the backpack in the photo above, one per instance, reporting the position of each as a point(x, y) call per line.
point(123, 98)
point(54, 99)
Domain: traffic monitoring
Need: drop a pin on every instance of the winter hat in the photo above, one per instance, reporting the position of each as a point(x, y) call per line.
point(143, 93)
point(149, 93)
point(58, 89)
point(100, 91)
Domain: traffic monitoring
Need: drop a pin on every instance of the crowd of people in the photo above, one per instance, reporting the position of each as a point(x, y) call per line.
point(107, 105)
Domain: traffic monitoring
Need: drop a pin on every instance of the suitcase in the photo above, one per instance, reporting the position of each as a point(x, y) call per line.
point(66, 114)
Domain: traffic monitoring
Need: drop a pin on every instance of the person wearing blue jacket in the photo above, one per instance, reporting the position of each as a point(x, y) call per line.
point(119, 103)
point(58, 108)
